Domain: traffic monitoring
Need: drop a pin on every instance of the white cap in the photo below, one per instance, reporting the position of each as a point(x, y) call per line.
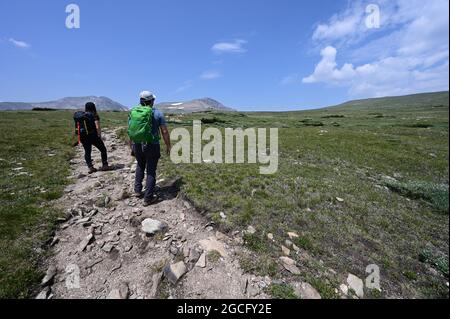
point(147, 95)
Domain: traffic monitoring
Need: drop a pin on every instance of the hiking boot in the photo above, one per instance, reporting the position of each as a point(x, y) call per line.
point(138, 194)
point(106, 168)
point(92, 170)
point(153, 200)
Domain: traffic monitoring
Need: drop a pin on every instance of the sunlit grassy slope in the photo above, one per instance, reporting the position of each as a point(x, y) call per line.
point(389, 165)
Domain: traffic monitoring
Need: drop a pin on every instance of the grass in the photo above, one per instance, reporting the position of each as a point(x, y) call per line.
point(213, 256)
point(391, 174)
point(348, 155)
point(35, 149)
point(435, 194)
point(281, 291)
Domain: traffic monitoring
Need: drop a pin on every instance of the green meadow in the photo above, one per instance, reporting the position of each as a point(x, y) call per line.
point(363, 183)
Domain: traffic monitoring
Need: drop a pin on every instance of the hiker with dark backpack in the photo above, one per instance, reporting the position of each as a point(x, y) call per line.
point(88, 130)
point(145, 126)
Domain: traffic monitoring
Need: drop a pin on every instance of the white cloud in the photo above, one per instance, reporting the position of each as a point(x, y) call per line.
point(410, 56)
point(19, 44)
point(339, 26)
point(230, 47)
point(210, 75)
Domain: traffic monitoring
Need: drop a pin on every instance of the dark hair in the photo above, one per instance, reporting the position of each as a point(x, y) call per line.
point(90, 107)
point(145, 102)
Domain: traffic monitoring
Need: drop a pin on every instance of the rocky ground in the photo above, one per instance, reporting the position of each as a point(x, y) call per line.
point(110, 246)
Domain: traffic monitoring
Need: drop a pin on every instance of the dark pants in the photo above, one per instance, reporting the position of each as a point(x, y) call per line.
point(147, 156)
point(94, 140)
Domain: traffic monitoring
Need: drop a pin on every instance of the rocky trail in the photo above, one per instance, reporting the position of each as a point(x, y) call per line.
point(110, 246)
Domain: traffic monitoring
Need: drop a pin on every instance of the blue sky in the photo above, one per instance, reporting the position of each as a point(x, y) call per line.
point(252, 55)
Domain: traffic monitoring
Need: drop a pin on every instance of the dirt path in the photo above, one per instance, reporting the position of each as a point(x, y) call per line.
point(101, 250)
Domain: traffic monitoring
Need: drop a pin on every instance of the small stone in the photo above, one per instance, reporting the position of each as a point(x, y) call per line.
point(289, 265)
point(270, 236)
point(173, 250)
point(123, 195)
point(49, 276)
point(83, 221)
point(344, 289)
point(201, 261)
point(85, 242)
point(44, 293)
point(292, 235)
point(356, 284)
point(285, 250)
point(340, 200)
point(222, 215)
point(174, 272)
point(251, 230)
point(306, 291)
point(288, 243)
point(211, 244)
point(295, 248)
point(156, 280)
point(107, 247)
point(194, 256)
point(152, 226)
point(186, 251)
point(55, 240)
point(120, 293)
point(127, 247)
point(220, 236)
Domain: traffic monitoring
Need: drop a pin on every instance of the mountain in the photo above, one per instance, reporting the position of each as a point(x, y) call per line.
point(436, 99)
point(67, 103)
point(199, 105)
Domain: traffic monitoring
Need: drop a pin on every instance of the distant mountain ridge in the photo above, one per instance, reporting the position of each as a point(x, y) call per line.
point(412, 100)
point(68, 103)
point(198, 105)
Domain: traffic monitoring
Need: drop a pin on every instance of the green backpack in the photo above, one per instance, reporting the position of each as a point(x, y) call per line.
point(140, 122)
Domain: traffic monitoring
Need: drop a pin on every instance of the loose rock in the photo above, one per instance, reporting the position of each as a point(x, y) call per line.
point(289, 265)
point(44, 293)
point(304, 290)
point(152, 226)
point(50, 274)
point(174, 272)
point(213, 244)
point(201, 261)
point(85, 242)
point(251, 230)
point(356, 284)
point(120, 293)
point(285, 250)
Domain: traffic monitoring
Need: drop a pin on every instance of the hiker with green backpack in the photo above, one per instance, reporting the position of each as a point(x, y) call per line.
point(145, 126)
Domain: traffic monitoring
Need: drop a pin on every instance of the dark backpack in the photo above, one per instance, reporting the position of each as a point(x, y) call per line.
point(84, 124)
